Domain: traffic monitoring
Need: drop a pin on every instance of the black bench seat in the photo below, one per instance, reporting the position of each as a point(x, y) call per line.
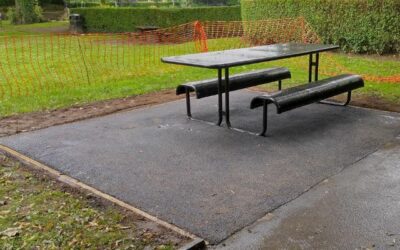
point(302, 95)
point(209, 87)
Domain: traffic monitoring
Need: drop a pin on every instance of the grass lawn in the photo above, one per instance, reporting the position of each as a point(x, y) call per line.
point(35, 213)
point(8, 29)
point(48, 72)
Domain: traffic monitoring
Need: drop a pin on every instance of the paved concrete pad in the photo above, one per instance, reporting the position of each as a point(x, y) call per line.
point(209, 180)
point(356, 209)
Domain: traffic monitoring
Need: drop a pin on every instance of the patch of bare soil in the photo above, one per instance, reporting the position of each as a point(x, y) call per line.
point(58, 29)
point(372, 102)
point(38, 120)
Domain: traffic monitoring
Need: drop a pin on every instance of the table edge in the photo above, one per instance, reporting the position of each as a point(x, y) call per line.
point(221, 66)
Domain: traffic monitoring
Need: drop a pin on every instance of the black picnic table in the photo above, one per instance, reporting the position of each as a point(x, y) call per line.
point(145, 28)
point(238, 57)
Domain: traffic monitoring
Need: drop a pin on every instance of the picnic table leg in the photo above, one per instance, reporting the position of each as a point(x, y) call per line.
point(227, 118)
point(188, 110)
point(316, 67)
point(265, 119)
point(313, 64)
point(219, 97)
point(310, 68)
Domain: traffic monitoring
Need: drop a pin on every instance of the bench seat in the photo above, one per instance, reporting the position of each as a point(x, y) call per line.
point(302, 95)
point(209, 87)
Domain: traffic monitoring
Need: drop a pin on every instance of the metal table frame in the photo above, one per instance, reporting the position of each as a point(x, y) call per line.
point(313, 68)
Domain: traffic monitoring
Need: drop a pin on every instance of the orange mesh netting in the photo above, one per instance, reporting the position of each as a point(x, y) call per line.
point(33, 64)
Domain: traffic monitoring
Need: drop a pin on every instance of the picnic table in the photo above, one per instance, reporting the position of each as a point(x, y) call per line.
point(224, 60)
point(145, 28)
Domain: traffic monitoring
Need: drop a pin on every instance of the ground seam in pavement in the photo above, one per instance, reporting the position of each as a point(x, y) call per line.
point(305, 191)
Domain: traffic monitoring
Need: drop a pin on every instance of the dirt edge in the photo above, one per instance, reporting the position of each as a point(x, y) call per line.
point(42, 119)
point(38, 120)
point(95, 198)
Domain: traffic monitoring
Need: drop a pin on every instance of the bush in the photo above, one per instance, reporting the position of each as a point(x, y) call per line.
point(57, 2)
point(25, 11)
point(82, 4)
point(361, 26)
point(216, 2)
point(105, 19)
point(41, 2)
point(152, 4)
point(7, 2)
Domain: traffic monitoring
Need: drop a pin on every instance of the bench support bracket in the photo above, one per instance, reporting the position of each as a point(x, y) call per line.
point(339, 104)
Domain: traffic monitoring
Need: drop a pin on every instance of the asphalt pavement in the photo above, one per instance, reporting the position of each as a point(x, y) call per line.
point(206, 179)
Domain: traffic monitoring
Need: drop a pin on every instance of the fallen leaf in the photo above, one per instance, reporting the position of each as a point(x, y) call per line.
point(11, 232)
point(93, 224)
point(5, 212)
point(123, 227)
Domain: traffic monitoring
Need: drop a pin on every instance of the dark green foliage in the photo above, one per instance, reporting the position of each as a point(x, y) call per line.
point(41, 2)
point(361, 26)
point(216, 2)
point(120, 3)
point(126, 19)
point(86, 5)
point(7, 2)
point(25, 12)
point(129, 3)
point(59, 2)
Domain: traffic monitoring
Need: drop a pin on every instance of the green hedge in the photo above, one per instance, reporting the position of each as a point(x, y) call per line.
point(12, 2)
point(85, 5)
point(59, 2)
point(7, 2)
point(126, 19)
point(152, 4)
point(360, 26)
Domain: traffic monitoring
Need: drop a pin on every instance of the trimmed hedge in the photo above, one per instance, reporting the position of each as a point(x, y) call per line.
point(152, 4)
point(361, 26)
point(12, 2)
point(85, 5)
point(126, 19)
point(7, 2)
point(59, 2)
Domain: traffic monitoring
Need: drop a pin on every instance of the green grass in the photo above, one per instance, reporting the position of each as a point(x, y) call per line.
point(36, 214)
point(8, 29)
point(42, 72)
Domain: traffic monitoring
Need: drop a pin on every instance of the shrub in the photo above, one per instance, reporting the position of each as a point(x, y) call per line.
point(7, 2)
point(216, 2)
point(158, 4)
point(58, 2)
point(82, 4)
point(151, 4)
point(3, 13)
point(126, 19)
point(25, 11)
point(41, 2)
point(361, 26)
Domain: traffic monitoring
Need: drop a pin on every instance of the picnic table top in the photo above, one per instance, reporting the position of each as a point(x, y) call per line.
point(238, 57)
point(147, 28)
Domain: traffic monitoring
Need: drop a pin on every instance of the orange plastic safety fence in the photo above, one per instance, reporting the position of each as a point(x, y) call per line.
point(34, 64)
